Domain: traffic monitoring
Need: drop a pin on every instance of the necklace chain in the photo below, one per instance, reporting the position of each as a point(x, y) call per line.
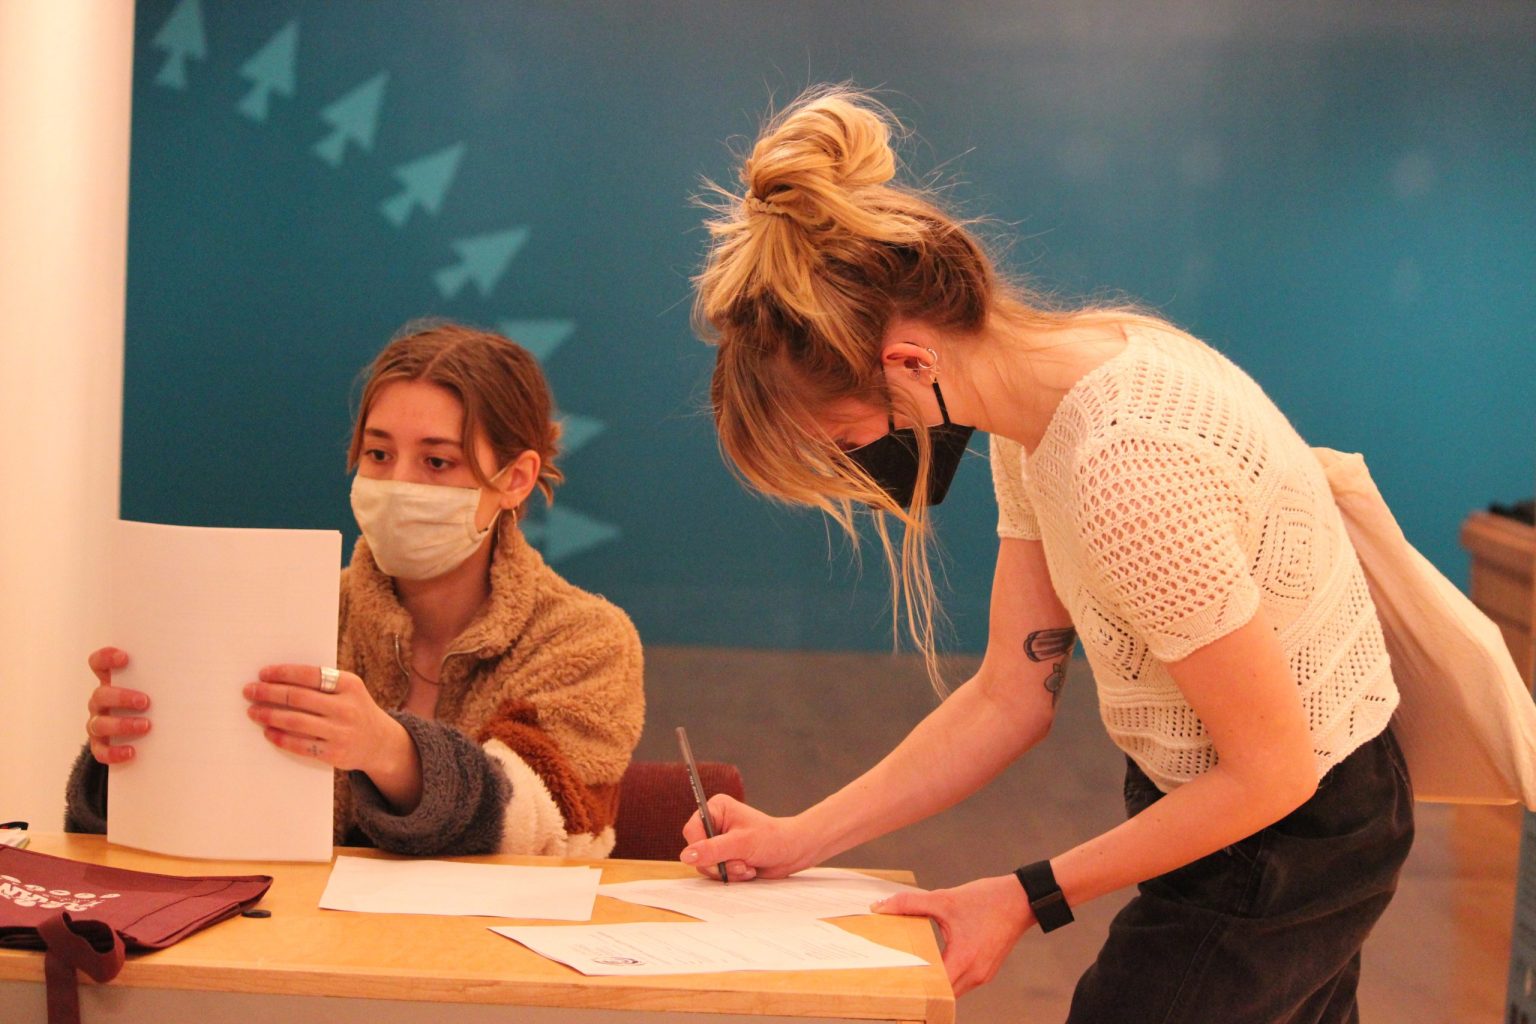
point(419, 674)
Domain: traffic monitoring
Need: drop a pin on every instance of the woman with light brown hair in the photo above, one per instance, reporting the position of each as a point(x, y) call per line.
point(480, 703)
point(1152, 503)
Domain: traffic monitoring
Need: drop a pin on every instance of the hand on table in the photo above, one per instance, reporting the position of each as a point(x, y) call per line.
point(102, 725)
point(980, 922)
point(749, 842)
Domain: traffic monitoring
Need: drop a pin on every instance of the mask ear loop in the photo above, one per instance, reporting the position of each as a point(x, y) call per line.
point(943, 411)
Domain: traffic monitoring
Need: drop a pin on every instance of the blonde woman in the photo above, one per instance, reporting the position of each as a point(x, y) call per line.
point(1152, 503)
point(481, 703)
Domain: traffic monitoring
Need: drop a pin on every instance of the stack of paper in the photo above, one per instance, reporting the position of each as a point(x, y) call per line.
point(200, 610)
point(762, 925)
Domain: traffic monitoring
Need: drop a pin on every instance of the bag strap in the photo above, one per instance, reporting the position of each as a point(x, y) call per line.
point(70, 950)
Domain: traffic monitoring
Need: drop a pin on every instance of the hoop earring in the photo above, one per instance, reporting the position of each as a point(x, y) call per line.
point(932, 366)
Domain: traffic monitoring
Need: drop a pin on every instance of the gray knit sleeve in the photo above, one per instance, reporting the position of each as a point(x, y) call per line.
point(464, 794)
point(85, 795)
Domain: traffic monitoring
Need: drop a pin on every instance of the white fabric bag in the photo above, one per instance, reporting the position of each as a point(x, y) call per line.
point(1466, 722)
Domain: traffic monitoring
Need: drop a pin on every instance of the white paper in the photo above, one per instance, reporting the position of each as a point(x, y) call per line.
point(16, 837)
point(376, 886)
point(762, 943)
point(817, 893)
point(199, 611)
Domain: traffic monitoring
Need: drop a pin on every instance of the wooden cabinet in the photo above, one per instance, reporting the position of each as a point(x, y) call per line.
point(1503, 561)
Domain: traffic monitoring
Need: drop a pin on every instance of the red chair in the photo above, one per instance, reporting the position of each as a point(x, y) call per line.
point(656, 801)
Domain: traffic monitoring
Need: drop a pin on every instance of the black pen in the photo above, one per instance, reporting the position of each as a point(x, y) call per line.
point(698, 792)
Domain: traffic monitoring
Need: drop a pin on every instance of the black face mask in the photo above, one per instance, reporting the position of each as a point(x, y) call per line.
point(892, 459)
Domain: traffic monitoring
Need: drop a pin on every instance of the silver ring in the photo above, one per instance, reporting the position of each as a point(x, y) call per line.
point(329, 677)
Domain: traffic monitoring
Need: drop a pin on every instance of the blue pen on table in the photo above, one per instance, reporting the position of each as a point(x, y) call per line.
point(698, 792)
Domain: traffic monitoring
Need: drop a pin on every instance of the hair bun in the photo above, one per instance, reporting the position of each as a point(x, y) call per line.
point(820, 197)
point(812, 160)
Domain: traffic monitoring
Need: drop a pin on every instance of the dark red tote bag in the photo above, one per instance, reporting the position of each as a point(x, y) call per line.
point(86, 916)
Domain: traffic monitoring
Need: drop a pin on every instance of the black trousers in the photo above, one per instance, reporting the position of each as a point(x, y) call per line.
point(1268, 930)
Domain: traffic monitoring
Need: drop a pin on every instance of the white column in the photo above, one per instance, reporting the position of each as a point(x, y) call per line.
point(66, 79)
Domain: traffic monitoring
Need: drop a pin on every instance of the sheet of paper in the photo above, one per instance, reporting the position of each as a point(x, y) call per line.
point(762, 943)
point(377, 886)
point(819, 892)
point(199, 611)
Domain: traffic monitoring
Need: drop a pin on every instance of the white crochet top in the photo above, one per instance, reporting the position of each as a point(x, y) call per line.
point(1173, 500)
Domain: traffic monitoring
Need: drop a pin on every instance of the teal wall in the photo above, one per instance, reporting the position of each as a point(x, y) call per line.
point(1340, 196)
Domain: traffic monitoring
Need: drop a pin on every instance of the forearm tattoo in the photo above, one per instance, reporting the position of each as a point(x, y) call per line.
point(1054, 645)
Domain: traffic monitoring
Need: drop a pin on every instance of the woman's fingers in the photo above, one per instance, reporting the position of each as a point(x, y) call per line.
point(919, 904)
point(299, 723)
point(289, 695)
point(910, 904)
point(959, 957)
point(111, 753)
point(725, 812)
point(104, 660)
point(739, 871)
point(106, 727)
point(308, 676)
point(731, 840)
point(298, 687)
point(116, 698)
point(103, 724)
point(308, 746)
point(318, 712)
point(980, 922)
point(700, 855)
point(289, 727)
point(288, 699)
point(735, 870)
point(102, 727)
point(748, 842)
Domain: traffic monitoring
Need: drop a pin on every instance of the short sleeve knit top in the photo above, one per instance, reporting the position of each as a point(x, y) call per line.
point(1173, 501)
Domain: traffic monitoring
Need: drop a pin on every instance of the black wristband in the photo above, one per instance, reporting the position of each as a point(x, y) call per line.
point(1045, 896)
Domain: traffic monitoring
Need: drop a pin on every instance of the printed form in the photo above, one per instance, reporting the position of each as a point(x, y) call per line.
point(763, 943)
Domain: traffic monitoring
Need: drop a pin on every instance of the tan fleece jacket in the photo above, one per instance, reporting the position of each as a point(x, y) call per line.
point(547, 680)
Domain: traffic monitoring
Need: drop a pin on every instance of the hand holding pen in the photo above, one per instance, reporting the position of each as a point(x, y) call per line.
point(742, 842)
point(698, 793)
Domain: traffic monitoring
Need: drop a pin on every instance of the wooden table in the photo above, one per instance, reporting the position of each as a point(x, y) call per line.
point(388, 967)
